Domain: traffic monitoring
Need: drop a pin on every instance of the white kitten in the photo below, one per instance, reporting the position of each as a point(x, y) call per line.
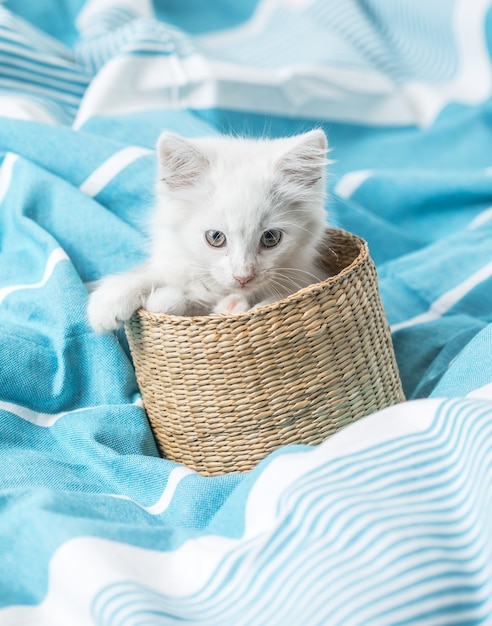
point(238, 223)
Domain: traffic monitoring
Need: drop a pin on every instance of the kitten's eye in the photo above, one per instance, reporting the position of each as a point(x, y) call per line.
point(215, 238)
point(271, 238)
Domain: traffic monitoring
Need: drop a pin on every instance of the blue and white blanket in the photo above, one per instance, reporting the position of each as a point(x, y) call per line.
point(389, 521)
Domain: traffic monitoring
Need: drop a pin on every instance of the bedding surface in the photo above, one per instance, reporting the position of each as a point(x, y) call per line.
point(387, 522)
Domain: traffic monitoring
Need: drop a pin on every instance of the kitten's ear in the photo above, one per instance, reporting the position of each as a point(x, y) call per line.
point(180, 164)
point(304, 164)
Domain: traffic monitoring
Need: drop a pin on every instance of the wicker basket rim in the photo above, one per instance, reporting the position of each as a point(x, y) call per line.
point(298, 295)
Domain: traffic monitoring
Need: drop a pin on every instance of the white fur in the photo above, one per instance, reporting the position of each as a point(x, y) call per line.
point(241, 187)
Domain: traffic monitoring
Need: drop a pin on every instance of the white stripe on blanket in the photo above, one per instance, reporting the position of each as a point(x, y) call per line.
point(443, 304)
point(55, 257)
point(482, 393)
point(175, 477)
point(46, 420)
point(350, 182)
point(103, 175)
point(481, 219)
point(6, 173)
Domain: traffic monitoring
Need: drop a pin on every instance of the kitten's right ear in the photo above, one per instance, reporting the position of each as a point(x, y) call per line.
point(181, 165)
point(303, 166)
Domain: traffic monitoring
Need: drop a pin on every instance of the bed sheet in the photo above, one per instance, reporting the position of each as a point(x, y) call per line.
point(388, 521)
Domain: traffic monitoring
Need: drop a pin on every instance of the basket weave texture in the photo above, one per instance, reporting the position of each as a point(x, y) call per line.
point(223, 391)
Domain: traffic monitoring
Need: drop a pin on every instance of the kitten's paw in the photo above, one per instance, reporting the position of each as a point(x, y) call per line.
point(108, 310)
point(169, 300)
point(231, 304)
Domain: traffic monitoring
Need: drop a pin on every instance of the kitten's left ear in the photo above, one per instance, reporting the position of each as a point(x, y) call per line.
point(304, 164)
point(181, 165)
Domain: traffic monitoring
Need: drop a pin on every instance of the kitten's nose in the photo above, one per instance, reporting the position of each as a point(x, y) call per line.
point(243, 280)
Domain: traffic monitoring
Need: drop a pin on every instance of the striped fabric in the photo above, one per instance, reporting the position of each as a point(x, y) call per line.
point(388, 521)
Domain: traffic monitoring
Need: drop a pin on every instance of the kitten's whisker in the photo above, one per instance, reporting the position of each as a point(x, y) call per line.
point(306, 230)
point(292, 211)
point(274, 292)
point(295, 270)
point(287, 283)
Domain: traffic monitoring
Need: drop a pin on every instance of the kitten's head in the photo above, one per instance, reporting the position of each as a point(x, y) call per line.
point(249, 214)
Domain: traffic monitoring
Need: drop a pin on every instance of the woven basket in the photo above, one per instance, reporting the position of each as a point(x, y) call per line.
point(223, 391)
